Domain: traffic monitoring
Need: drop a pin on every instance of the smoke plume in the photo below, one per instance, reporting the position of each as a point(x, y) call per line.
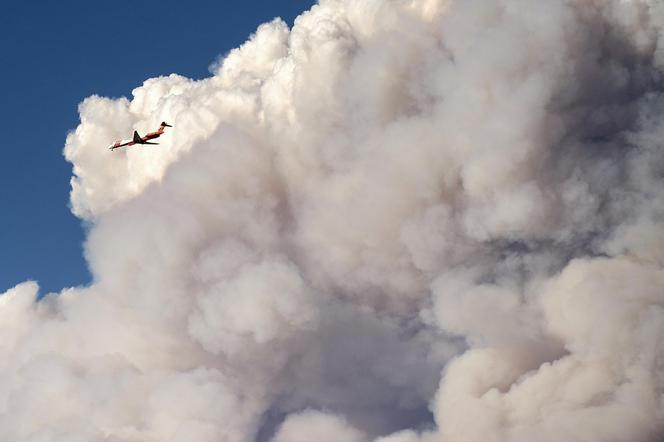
point(397, 221)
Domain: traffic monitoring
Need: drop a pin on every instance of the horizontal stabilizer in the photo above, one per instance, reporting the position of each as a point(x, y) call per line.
point(146, 142)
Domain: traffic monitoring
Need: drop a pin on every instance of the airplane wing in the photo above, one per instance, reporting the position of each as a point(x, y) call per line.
point(147, 142)
point(137, 138)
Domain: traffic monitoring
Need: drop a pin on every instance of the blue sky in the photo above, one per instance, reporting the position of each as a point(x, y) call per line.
point(54, 54)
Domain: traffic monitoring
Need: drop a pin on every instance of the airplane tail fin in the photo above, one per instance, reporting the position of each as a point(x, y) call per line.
point(165, 124)
point(137, 138)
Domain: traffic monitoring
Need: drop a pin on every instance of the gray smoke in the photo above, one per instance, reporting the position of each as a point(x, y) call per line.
point(400, 221)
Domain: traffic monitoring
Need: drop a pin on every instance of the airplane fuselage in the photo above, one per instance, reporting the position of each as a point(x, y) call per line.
point(140, 140)
point(153, 135)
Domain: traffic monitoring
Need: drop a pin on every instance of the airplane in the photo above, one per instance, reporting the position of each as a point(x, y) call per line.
point(140, 140)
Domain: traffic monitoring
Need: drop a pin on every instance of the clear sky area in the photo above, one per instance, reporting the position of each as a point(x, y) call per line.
point(52, 56)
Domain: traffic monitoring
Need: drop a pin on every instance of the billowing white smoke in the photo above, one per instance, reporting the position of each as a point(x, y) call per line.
point(400, 220)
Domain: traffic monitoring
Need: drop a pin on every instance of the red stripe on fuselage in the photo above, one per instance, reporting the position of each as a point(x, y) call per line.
point(152, 135)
